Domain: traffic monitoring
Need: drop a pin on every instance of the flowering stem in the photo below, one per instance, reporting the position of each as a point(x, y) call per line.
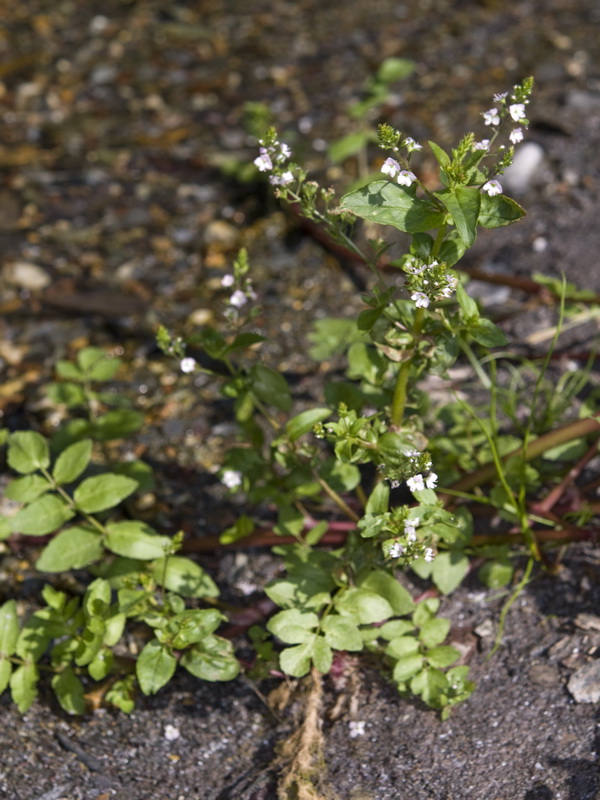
point(400, 392)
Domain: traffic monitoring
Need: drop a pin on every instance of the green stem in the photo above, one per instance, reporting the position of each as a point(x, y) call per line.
point(339, 501)
point(401, 388)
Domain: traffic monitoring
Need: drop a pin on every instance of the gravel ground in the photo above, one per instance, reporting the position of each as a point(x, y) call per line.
point(122, 136)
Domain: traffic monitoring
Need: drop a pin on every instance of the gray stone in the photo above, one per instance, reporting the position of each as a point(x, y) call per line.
point(584, 684)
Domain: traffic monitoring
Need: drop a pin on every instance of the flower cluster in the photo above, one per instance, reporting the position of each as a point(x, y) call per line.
point(272, 158)
point(428, 281)
point(392, 168)
point(405, 544)
point(392, 139)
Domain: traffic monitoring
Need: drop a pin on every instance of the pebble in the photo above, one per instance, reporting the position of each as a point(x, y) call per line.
point(27, 275)
point(526, 167)
point(584, 684)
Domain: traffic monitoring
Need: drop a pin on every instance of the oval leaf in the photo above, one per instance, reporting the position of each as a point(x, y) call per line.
point(27, 451)
point(304, 422)
point(72, 462)
point(72, 548)
point(9, 628)
point(389, 204)
point(44, 515)
point(212, 660)
point(103, 491)
point(69, 691)
point(27, 488)
point(155, 667)
point(184, 576)
point(136, 540)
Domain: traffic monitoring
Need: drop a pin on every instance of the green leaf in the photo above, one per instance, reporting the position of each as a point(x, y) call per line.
point(114, 627)
point(349, 145)
point(70, 371)
point(241, 528)
point(441, 156)
point(463, 203)
point(394, 628)
point(23, 686)
point(72, 462)
point(407, 667)
point(101, 665)
point(134, 539)
point(42, 516)
point(184, 576)
point(116, 424)
point(395, 69)
point(442, 656)
point(155, 667)
point(192, 625)
point(211, 660)
point(295, 661)
point(388, 204)
point(293, 626)
point(6, 669)
point(495, 574)
point(303, 423)
point(449, 568)
point(103, 491)
point(331, 336)
point(434, 631)
point(27, 488)
point(9, 629)
point(486, 333)
point(498, 211)
point(402, 647)
point(270, 387)
point(27, 451)
point(67, 393)
point(341, 633)
point(97, 599)
point(363, 605)
point(385, 585)
point(72, 548)
point(122, 694)
point(429, 684)
point(69, 691)
point(97, 364)
point(321, 655)
point(379, 499)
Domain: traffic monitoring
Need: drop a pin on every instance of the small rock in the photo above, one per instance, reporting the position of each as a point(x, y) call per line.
point(584, 684)
point(27, 275)
point(222, 232)
point(526, 167)
point(172, 733)
point(485, 630)
point(588, 622)
point(543, 675)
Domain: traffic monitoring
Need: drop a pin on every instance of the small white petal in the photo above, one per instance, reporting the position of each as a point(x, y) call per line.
point(517, 111)
point(421, 300)
point(187, 364)
point(227, 280)
point(231, 478)
point(516, 136)
point(406, 177)
point(238, 299)
point(390, 167)
point(492, 188)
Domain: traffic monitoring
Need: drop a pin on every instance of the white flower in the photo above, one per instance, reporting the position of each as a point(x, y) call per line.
point(187, 364)
point(281, 180)
point(516, 136)
point(499, 97)
point(390, 167)
point(491, 117)
point(396, 550)
point(517, 111)
point(492, 188)
point(356, 728)
point(416, 483)
point(411, 145)
point(227, 280)
point(263, 162)
point(429, 554)
point(238, 299)
point(410, 532)
point(406, 177)
point(285, 150)
point(231, 478)
point(431, 480)
point(484, 144)
point(421, 300)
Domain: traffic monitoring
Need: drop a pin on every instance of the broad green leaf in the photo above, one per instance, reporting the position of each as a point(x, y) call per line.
point(349, 145)
point(42, 516)
point(243, 340)
point(394, 628)
point(434, 631)
point(385, 585)
point(27, 488)
point(23, 686)
point(97, 364)
point(293, 626)
point(9, 628)
point(340, 477)
point(379, 499)
point(425, 611)
point(211, 660)
point(6, 669)
point(139, 471)
point(429, 684)
point(304, 422)
point(27, 451)
point(97, 598)
point(341, 633)
point(298, 591)
point(242, 527)
point(442, 656)
point(402, 647)
point(449, 568)
point(441, 156)
point(54, 598)
point(295, 661)
point(463, 203)
point(73, 430)
point(363, 605)
point(389, 204)
point(72, 462)
point(117, 424)
point(155, 667)
point(103, 491)
point(72, 548)
point(193, 625)
point(69, 691)
point(114, 627)
point(486, 333)
point(137, 540)
point(270, 387)
point(101, 665)
point(322, 655)
point(184, 576)
point(395, 69)
point(70, 371)
point(496, 574)
point(89, 642)
point(66, 393)
point(407, 667)
point(468, 306)
point(498, 211)
point(331, 335)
